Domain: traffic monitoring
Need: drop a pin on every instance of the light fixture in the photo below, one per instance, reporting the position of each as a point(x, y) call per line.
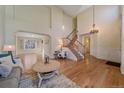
point(9, 48)
point(94, 29)
point(63, 26)
point(50, 9)
point(32, 35)
point(87, 41)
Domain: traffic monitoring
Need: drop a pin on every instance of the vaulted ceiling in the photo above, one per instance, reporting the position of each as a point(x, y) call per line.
point(73, 10)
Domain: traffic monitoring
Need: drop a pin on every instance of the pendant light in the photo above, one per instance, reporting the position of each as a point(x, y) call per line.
point(63, 26)
point(94, 30)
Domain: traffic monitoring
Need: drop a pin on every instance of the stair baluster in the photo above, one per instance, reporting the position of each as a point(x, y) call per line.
point(74, 45)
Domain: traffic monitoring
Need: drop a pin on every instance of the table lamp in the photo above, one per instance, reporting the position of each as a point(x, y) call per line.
point(9, 48)
point(61, 44)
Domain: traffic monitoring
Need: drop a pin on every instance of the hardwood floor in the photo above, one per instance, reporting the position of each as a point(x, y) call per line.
point(89, 73)
point(92, 72)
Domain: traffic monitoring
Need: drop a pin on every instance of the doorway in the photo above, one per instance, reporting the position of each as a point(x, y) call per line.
point(86, 42)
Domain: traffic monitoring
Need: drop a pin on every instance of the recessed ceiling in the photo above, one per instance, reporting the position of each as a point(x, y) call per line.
point(73, 10)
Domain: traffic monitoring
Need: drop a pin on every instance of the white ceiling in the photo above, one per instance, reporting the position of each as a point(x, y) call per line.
point(73, 10)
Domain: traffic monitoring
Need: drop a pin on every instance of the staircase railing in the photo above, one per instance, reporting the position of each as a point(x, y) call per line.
point(72, 34)
point(66, 42)
point(71, 41)
point(80, 47)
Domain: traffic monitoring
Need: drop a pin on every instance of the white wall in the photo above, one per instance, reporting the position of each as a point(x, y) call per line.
point(122, 43)
point(57, 32)
point(32, 18)
point(106, 44)
point(36, 19)
point(1, 27)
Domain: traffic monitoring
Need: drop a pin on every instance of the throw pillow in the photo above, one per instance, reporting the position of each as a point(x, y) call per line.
point(5, 70)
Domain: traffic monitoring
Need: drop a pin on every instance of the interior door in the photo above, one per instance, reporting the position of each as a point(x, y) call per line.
point(87, 44)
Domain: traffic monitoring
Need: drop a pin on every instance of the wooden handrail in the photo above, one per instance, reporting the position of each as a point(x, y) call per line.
point(89, 33)
point(71, 33)
point(77, 41)
point(74, 43)
point(80, 43)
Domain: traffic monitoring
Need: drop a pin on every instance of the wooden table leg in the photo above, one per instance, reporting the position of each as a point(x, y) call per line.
point(41, 78)
point(57, 72)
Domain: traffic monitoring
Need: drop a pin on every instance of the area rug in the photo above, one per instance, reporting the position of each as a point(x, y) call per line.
point(60, 81)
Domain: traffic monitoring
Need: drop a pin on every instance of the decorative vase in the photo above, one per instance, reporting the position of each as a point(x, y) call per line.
point(46, 60)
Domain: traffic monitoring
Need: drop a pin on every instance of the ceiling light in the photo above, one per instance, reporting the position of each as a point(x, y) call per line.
point(94, 30)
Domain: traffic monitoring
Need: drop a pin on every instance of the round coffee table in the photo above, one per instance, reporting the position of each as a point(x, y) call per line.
point(46, 71)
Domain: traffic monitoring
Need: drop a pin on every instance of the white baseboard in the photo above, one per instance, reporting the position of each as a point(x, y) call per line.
point(110, 54)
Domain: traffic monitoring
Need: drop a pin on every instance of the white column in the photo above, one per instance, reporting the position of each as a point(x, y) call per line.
point(122, 42)
point(10, 25)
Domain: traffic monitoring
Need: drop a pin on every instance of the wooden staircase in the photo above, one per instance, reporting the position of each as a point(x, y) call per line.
point(74, 45)
point(76, 53)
